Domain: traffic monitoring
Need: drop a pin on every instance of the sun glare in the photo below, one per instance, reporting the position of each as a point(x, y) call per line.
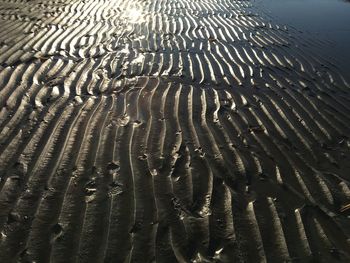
point(134, 15)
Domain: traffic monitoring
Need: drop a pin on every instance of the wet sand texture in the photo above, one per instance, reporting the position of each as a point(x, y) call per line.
point(195, 132)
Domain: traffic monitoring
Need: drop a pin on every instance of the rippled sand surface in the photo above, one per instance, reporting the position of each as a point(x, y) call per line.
point(168, 131)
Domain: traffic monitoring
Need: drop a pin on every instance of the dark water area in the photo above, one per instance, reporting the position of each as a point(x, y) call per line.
point(326, 20)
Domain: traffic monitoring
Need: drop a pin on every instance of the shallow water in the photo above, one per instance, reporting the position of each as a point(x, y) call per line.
point(327, 20)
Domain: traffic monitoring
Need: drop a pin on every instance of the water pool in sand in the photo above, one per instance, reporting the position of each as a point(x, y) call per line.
point(328, 20)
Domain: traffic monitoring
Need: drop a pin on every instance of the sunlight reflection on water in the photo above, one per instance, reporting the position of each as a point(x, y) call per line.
point(134, 15)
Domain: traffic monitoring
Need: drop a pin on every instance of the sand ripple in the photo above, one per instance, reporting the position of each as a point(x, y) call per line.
point(168, 131)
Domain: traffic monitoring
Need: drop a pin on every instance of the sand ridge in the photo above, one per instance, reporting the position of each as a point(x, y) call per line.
point(168, 131)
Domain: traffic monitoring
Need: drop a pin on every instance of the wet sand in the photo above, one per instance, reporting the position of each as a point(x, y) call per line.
point(168, 131)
